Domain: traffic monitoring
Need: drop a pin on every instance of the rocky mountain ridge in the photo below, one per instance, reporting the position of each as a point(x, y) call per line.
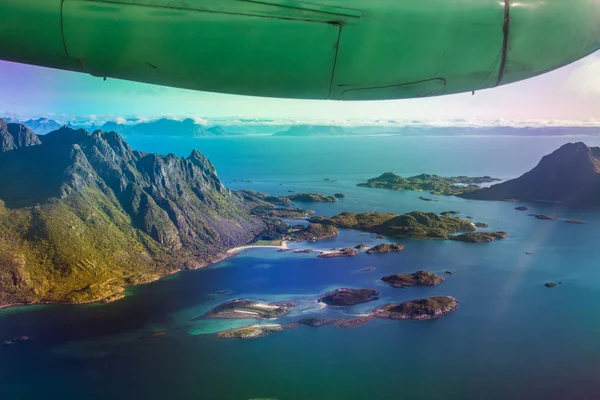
point(83, 214)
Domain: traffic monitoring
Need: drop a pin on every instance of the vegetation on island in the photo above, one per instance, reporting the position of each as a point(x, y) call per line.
point(249, 309)
point(432, 307)
point(419, 278)
point(82, 215)
point(312, 198)
point(479, 237)
point(415, 224)
point(433, 184)
point(349, 297)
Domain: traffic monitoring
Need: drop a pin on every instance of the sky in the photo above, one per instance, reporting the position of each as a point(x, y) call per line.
point(571, 93)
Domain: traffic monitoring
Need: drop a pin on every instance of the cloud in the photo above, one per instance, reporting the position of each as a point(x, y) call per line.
point(585, 80)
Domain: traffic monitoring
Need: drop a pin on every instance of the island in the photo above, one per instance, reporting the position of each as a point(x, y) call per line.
point(574, 221)
point(416, 224)
point(568, 176)
point(346, 252)
point(312, 198)
point(552, 284)
point(249, 309)
point(340, 195)
point(249, 332)
point(422, 309)
point(345, 297)
point(419, 278)
point(434, 184)
point(385, 248)
point(521, 208)
point(543, 217)
point(479, 237)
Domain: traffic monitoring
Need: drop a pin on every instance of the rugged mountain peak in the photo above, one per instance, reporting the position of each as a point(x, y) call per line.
point(15, 136)
point(92, 210)
point(569, 175)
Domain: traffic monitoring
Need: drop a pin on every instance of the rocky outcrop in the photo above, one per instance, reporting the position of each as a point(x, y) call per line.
point(348, 297)
point(15, 136)
point(479, 237)
point(249, 332)
point(419, 278)
point(386, 248)
point(429, 308)
point(346, 252)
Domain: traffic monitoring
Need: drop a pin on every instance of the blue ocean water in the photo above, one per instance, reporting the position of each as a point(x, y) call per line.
point(511, 338)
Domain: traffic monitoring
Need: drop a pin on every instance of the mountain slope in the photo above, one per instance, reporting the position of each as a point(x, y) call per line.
point(15, 136)
point(570, 175)
point(82, 215)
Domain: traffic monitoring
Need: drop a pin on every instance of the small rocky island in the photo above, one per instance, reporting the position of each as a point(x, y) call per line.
point(479, 237)
point(346, 252)
point(385, 248)
point(249, 309)
point(249, 332)
point(434, 184)
point(416, 224)
point(429, 308)
point(312, 198)
point(419, 278)
point(345, 297)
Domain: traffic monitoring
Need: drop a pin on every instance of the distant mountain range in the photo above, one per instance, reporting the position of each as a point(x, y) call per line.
point(326, 130)
point(570, 176)
point(162, 127)
point(168, 127)
point(42, 126)
point(189, 128)
point(313, 130)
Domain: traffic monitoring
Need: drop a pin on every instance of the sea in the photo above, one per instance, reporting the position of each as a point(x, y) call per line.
point(511, 337)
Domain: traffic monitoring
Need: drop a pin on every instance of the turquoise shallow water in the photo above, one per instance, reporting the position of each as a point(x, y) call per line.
point(511, 337)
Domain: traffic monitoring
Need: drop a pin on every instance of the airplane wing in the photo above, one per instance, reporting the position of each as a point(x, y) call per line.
point(318, 49)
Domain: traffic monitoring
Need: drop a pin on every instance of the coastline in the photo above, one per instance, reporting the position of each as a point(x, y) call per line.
point(218, 258)
point(239, 249)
